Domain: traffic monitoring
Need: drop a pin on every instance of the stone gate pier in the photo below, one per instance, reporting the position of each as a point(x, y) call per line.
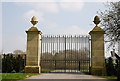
point(33, 48)
point(97, 49)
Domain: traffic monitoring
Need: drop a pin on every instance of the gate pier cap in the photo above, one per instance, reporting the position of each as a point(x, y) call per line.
point(97, 29)
point(97, 49)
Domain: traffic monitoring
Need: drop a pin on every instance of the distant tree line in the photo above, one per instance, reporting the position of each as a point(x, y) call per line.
point(66, 59)
point(67, 55)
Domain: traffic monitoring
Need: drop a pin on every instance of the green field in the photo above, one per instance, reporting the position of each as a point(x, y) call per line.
point(110, 77)
point(46, 70)
point(16, 76)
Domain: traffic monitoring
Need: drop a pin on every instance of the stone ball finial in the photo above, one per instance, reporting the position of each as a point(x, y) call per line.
point(34, 21)
point(96, 20)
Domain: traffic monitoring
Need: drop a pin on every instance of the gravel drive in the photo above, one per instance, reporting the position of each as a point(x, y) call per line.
point(68, 76)
point(63, 76)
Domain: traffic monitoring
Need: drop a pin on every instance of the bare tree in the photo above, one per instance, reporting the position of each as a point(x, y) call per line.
point(18, 52)
point(111, 22)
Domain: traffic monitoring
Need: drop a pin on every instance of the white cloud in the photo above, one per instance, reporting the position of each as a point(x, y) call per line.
point(28, 15)
point(51, 7)
point(40, 17)
point(73, 30)
point(72, 0)
point(71, 6)
point(30, 0)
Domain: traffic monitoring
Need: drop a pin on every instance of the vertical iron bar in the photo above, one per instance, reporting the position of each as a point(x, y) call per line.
point(71, 54)
point(83, 52)
point(54, 54)
point(45, 48)
point(65, 53)
point(75, 54)
point(80, 52)
point(53, 49)
point(59, 51)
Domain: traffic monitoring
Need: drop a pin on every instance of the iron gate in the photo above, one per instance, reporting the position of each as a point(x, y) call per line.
point(65, 53)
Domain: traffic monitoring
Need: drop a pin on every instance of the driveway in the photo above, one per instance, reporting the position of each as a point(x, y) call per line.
point(68, 76)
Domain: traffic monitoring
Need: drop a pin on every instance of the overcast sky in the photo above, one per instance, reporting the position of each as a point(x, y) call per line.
point(54, 17)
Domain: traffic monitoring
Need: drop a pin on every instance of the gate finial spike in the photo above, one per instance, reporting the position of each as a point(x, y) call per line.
point(34, 21)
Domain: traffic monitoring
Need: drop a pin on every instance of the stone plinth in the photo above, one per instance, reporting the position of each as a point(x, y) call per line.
point(33, 51)
point(97, 51)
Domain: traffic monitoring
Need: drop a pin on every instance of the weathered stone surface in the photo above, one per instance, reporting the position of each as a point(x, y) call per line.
point(32, 69)
point(97, 51)
point(33, 50)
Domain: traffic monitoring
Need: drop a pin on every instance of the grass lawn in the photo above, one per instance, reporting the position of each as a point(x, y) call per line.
point(107, 77)
point(46, 70)
point(16, 76)
point(110, 77)
point(84, 71)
